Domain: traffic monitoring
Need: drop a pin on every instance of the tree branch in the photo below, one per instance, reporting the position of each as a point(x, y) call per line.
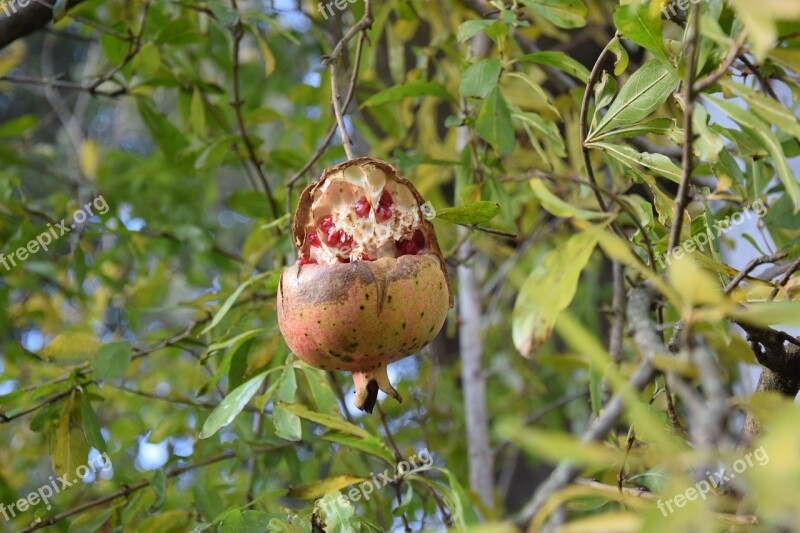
point(130, 489)
point(649, 342)
point(682, 200)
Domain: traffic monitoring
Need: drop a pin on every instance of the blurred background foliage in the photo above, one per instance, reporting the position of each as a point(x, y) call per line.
point(199, 122)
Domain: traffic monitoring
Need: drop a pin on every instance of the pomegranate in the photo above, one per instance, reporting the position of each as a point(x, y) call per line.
point(371, 285)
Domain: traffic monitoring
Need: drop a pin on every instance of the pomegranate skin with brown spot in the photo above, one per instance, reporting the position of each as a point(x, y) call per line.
point(338, 311)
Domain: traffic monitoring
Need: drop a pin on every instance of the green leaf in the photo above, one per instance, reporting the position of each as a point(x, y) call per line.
point(708, 144)
point(555, 446)
point(558, 60)
point(549, 289)
point(370, 445)
point(463, 507)
point(231, 406)
point(91, 426)
point(321, 391)
point(494, 123)
point(112, 360)
point(326, 420)
point(667, 127)
point(232, 300)
point(480, 79)
point(658, 163)
point(73, 346)
point(338, 513)
point(558, 207)
point(158, 484)
point(767, 108)
point(321, 487)
point(70, 449)
point(562, 13)
point(471, 28)
point(763, 314)
point(245, 521)
point(646, 90)
point(469, 214)
point(91, 520)
point(769, 141)
point(287, 424)
point(413, 88)
point(638, 23)
point(619, 51)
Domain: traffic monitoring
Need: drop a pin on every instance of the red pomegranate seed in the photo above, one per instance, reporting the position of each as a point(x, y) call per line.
point(346, 240)
point(365, 257)
point(307, 261)
point(325, 223)
point(362, 208)
point(344, 259)
point(406, 247)
point(384, 212)
point(419, 240)
point(313, 239)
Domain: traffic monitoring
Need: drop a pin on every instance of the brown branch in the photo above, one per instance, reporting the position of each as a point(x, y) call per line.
point(398, 458)
point(583, 127)
point(649, 342)
point(717, 75)
point(130, 489)
point(752, 265)
point(785, 279)
point(347, 100)
point(237, 31)
point(347, 144)
point(689, 94)
point(650, 497)
point(84, 369)
point(179, 401)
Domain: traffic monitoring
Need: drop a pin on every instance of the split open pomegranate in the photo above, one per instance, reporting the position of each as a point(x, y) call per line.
point(371, 285)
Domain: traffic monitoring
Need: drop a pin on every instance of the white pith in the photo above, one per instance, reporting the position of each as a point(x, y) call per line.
point(337, 197)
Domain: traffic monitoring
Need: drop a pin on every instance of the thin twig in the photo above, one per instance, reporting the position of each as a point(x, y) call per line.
point(398, 458)
point(347, 144)
point(130, 489)
point(785, 279)
point(682, 200)
point(332, 130)
point(584, 125)
point(752, 265)
point(715, 76)
point(237, 31)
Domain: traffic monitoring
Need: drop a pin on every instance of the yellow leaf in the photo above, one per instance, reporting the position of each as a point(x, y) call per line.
point(695, 286)
point(615, 522)
point(269, 59)
point(71, 347)
point(70, 448)
point(90, 157)
point(11, 56)
point(318, 489)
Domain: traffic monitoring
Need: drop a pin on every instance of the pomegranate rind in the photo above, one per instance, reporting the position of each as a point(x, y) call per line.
point(362, 315)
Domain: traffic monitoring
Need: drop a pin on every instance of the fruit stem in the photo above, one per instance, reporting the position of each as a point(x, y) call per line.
point(368, 383)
